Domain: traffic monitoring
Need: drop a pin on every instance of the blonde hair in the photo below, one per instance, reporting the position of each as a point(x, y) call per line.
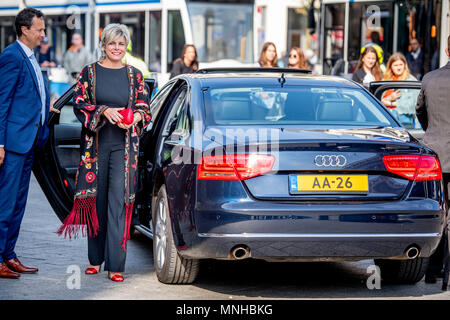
point(389, 75)
point(110, 33)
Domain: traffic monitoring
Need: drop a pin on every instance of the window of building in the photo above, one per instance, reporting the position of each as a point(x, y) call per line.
point(135, 21)
point(175, 37)
point(155, 41)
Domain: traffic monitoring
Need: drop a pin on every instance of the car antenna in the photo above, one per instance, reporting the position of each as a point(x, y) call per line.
point(282, 79)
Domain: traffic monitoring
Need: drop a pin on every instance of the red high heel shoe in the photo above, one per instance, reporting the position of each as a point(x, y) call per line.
point(115, 277)
point(92, 270)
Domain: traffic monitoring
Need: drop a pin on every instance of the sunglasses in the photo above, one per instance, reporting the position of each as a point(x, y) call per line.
point(293, 56)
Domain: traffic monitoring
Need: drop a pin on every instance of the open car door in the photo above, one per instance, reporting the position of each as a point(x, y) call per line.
point(56, 163)
point(405, 106)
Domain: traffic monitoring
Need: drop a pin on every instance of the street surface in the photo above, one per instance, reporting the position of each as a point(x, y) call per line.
point(61, 264)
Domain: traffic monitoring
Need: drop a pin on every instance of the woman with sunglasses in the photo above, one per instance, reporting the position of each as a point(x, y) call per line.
point(297, 59)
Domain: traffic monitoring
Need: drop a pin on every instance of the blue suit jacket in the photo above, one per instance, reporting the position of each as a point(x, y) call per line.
point(20, 102)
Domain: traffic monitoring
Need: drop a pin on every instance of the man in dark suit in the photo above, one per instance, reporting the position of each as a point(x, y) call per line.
point(433, 112)
point(24, 108)
point(415, 59)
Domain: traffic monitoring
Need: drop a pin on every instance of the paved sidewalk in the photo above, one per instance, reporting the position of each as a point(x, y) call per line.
point(39, 246)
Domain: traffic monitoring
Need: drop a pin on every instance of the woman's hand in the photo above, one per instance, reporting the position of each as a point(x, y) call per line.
point(113, 115)
point(395, 95)
point(136, 119)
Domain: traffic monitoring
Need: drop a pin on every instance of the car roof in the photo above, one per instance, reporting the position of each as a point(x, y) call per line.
point(235, 78)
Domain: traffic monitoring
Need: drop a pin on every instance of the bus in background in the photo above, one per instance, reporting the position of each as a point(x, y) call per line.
point(222, 31)
point(346, 26)
point(8, 10)
point(62, 19)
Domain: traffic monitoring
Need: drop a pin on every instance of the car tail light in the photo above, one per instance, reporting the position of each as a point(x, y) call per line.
point(414, 167)
point(234, 167)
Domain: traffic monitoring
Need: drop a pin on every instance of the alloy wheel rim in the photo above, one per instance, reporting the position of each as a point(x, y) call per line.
point(160, 232)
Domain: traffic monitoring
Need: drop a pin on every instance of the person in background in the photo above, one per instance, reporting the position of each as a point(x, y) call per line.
point(433, 112)
point(368, 68)
point(376, 44)
point(186, 63)
point(105, 187)
point(268, 57)
point(297, 59)
point(400, 102)
point(76, 57)
point(415, 59)
point(45, 55)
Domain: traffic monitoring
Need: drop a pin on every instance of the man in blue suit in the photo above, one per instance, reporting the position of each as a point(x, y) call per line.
point(24, 109)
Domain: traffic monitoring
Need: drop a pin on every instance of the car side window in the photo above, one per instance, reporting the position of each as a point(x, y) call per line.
point(175, 106)
point(401, 102)
point(182, 126)
point(159, 99)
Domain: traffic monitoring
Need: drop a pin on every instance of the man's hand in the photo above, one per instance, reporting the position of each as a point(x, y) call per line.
point(2, 155)
point(53, 109)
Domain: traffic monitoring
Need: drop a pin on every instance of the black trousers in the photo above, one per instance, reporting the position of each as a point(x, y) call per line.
point(106, 246)
point(437, 258)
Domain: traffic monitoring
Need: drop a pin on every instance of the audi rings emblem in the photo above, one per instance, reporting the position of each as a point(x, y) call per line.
point(330, 160)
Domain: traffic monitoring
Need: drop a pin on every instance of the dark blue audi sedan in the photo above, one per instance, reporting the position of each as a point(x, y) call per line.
point(270, 164)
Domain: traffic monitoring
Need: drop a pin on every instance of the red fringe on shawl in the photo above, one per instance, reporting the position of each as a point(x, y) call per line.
point(126, 231)
point(83, 216)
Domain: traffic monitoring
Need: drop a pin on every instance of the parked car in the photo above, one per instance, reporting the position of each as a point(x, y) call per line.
point(270, 164)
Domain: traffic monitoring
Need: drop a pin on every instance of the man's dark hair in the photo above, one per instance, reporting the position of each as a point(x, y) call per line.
point(24, 19)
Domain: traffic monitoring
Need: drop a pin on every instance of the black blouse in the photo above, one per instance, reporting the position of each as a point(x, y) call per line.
point(112, 91)
point(180, 68)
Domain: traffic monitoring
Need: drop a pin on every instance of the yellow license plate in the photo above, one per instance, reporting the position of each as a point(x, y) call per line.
point(335, 183)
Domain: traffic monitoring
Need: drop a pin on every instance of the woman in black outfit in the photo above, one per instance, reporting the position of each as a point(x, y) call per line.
point(368, 68)
point(186, 63)
point(105, 183)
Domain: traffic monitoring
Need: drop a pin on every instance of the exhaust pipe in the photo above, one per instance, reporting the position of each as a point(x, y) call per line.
point(240, 252)
point(412, 252)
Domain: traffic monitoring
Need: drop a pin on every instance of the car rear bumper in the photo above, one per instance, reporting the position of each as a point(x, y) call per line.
point(316, 232)
point(315, 247)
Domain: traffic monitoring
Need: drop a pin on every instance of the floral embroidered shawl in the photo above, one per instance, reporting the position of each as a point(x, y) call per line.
point(84, 212)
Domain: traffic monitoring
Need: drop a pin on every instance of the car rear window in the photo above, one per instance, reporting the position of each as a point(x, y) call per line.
point(293, 106)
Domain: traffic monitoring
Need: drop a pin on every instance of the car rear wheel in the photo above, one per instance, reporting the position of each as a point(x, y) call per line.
point(403, 271)
point(170, 267)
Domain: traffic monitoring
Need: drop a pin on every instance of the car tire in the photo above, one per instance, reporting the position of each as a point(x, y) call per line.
point(170, 267)
point(403, 271)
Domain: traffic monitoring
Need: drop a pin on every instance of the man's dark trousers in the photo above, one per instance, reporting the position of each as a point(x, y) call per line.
point(437, 258)
point(15, 173)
